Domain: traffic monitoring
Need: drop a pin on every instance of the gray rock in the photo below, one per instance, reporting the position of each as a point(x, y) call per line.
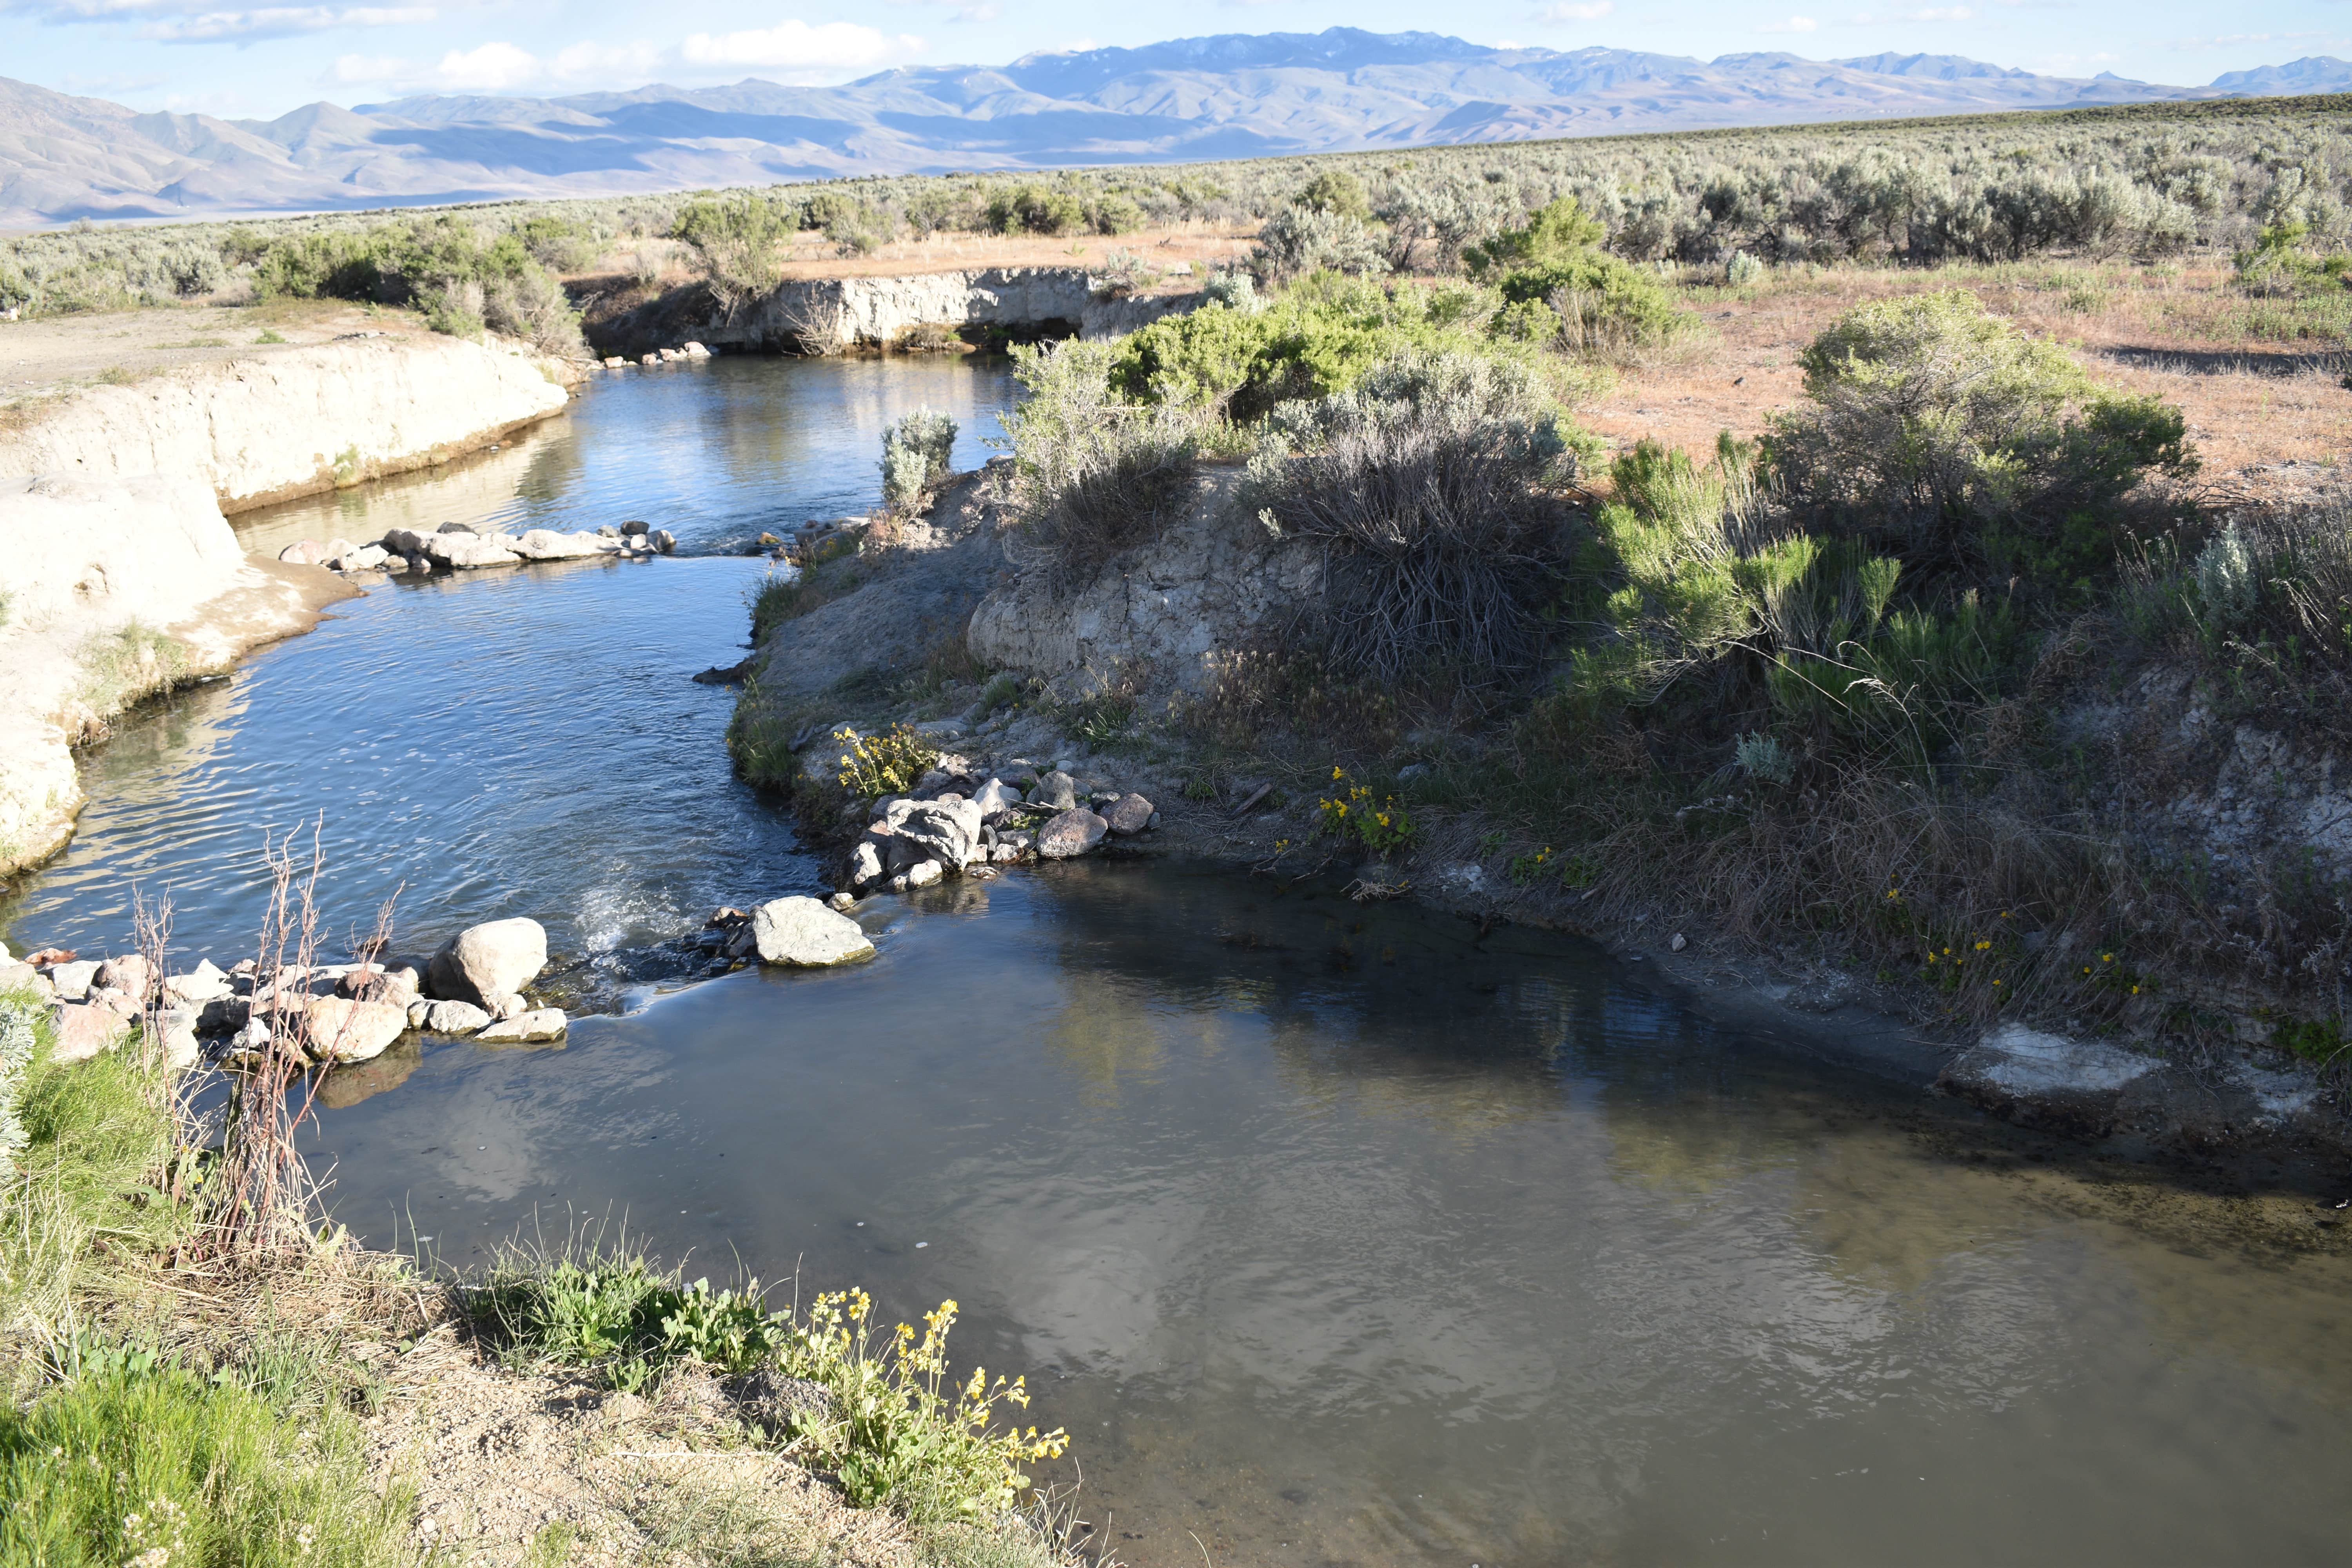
point(25, 977)
point(251, 1039)
point(1128, 815)
point(131, 974)
point(205, 983)
point(663, 541)
point(1056, 790)
point(1070, 834)
point(512, 1006)
point(374, 983)
point(366, 558)
point(484, 962)
point(533, 1024)
point(455, 528)
point(633, 526)
point(223, 1015)
point(84, 1029)
point(176, 1030)
point(454, 1018)
point(341, 1030)
point(72, 981)
point(865, 864)
point(804, 933)
point(996, 795)
point(923, 873)
point(304, 552)
point(546, 544)
point(947, 831)
point(418, 1010)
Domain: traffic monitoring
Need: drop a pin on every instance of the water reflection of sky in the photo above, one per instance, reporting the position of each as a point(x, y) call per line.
point(1469, 1254)
point(526, 742)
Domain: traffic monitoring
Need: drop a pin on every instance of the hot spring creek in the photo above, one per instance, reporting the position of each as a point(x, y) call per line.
point(1332, 1233)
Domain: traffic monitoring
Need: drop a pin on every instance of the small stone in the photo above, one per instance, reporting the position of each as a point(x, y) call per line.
point(129, 974)
point(512, 1006)
point(923, 873)
point(1070, 834)
point(25, 977)
point(996, 795)
point(842, 902)
point(665, 541)
point(865, 865)
point(455, 1018)
point(304, 552)
point(72, 981)
point(342, 1030)
point(250, 1041)
point(1677, 944)
point(802, 934)
point(176, 1030)
point(205, 983)
point(1128, 815)
point(1056, 790)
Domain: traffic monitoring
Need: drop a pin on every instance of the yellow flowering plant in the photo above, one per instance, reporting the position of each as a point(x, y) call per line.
point(1351, 811)
point(886, 763)
point(896, 1429)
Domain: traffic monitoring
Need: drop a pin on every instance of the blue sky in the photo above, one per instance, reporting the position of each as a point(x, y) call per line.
point(262, 58)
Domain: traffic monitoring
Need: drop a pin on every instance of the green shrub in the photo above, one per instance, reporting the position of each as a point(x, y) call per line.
point(738, 243)
point(19, 1015)
point(1940, 430)
point(1317, 337)
point(1299, 240)
point(1036, 210)
point(1606, 307)
point(1562, 231)
point(1337, 191)
point(1094, 473)
point(917, 454)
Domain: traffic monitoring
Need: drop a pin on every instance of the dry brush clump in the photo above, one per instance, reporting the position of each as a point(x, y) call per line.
point(1433, 487)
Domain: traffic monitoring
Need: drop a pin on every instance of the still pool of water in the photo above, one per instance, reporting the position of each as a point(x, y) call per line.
point(1334, 1235)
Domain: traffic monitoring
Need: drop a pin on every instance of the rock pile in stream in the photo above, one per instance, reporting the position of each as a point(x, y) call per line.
point(454, 547)
point(327, 1013)
point(952, 824)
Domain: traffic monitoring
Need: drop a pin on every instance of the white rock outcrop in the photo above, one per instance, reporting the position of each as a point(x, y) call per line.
point(294, 421)
point(835, 315)
point(1167, 612)
point(114, 589)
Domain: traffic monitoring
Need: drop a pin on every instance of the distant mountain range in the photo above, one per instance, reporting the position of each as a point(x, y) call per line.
point(1231, 96)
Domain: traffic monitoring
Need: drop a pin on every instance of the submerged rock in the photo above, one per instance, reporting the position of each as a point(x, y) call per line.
point(1071, 834)
point(484, 962)
point(804, 933)
point(537, 1024)
point(453, 1018)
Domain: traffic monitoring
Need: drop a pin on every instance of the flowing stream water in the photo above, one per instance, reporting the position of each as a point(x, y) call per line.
point(1333, 1235)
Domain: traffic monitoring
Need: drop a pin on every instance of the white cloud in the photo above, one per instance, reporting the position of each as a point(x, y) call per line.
point(795, 45)
point(493, 68)
point(986, 10)
point(1941, 14)
point(1793, 25)
point(281, 21)
point(1591, 12)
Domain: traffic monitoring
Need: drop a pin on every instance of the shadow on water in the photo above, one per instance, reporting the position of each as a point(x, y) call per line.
point(1342, 1235)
